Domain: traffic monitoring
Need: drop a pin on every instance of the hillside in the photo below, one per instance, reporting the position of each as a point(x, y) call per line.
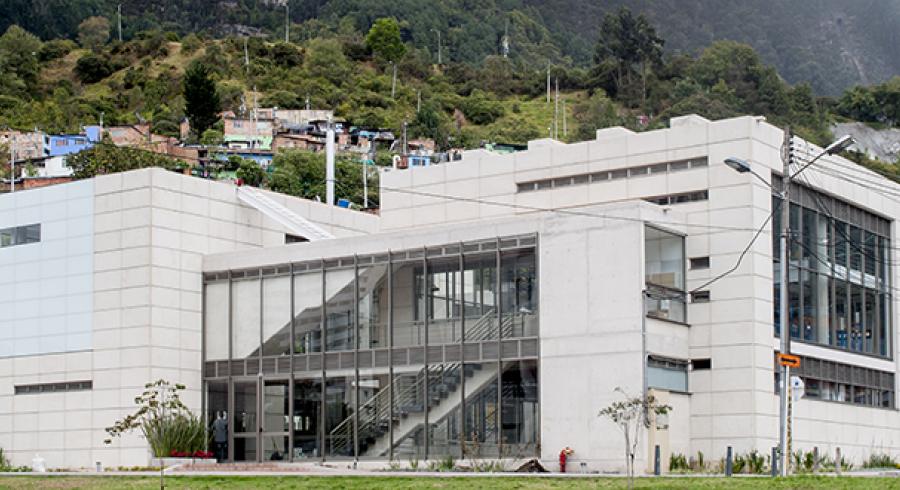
point(832, 44)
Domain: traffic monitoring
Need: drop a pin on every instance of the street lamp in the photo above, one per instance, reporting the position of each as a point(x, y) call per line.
point(742, 166)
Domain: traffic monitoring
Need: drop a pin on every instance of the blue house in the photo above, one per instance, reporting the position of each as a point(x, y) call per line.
point(69, 144)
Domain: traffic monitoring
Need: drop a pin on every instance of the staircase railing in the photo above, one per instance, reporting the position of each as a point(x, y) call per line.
point(375, 413)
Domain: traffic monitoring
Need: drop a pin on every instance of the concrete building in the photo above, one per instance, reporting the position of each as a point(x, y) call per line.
point(492, 309)
point(104, 295)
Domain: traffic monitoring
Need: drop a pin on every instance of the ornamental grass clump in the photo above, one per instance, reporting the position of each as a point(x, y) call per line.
point(165, 421)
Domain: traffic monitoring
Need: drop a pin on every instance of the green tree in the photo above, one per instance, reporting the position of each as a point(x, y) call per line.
point(758, 88)
point(595, 113)
point(431, 122)
point(201, 100)
point(212, 137)
point(630, 46)
point(93, 32)
point(481, 109)
point(18, 61)
point(384, 39)
point(91, 68)
point(106, 158)
point(302, 174)
point(250, 172)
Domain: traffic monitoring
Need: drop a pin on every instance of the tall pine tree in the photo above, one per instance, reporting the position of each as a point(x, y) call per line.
point(202, 104)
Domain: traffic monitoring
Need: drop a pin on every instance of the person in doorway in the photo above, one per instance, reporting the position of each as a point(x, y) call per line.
point(220, 437)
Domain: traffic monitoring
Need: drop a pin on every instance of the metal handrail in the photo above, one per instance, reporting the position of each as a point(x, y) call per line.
point(379, 407)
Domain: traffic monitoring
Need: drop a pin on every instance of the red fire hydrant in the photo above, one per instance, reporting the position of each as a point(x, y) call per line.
point(563, 456)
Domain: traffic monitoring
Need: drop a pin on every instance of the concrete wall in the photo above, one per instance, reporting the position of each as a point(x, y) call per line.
point(733, 403)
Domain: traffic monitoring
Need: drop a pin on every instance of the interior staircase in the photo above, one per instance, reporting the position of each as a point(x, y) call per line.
point(375, 417)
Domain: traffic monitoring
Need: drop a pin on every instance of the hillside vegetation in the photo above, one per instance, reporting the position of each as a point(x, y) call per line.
point(58, 85)
point(831, 44)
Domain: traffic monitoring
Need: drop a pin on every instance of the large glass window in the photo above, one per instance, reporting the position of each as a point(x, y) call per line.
point(520, 416)
point(444, 300)
point(667, 374)
point(373, 307)
point(407, 302)
point(277, 316)
point(664, 274)
point(215, 320)
point(518, 291)
point(480, 297)
point(245, 311)
point(838, 274)
point(335, 391)
point(339, 298)
point(307, 414)
point(339, 420)
point(308, 313)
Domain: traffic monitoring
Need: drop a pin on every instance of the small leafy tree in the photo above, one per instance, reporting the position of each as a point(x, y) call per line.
point(384, 39)
point(250, 172)
point(93, 32)
point(164, 420)
point(632, 415)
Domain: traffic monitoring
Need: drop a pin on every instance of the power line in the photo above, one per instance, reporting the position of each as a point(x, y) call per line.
point(743, 252)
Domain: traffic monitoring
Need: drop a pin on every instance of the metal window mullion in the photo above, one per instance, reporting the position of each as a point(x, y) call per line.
point(291, 367)
point(322, 343)
point(537, 298)
point(204, 386)
point(356, 357)
point(832, 308)
point(390, 340)
point(260, 387)
point(462, 353)
point(876, 331)
point(862, 287)
point(229, 390)
point(499, 302)
point(425, 292)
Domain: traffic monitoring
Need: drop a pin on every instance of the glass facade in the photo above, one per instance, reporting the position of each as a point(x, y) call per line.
point(839, 289)
point(664, 264)
point(420, 353)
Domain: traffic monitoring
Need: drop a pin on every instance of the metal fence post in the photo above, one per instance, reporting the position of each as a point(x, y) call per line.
point(656, 462)
point(775, 461)
point(837, 461)
point(729, 462)
point(815, 468)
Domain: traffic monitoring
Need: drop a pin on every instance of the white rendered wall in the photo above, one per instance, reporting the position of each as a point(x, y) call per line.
point(122, 255)
point(46, 330)
point(734, 402)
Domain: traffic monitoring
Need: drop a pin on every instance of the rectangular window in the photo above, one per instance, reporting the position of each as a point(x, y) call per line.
point(701, 364)
point(700, 297)
point(618, 174)
point(699, 263)
point(61, 387)
point(639, 171)
point(20, 235)
point(600, 177)
point(832, 381)
point(667, 374)
point(664, 274)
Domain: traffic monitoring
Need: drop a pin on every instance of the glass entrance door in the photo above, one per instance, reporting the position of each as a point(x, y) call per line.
point(276, 421)
point(246, 424)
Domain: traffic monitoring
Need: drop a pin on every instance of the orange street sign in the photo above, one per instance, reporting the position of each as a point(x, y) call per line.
point(789, 360)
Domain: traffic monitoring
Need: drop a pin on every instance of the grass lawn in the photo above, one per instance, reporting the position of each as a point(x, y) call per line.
point(449, 483)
